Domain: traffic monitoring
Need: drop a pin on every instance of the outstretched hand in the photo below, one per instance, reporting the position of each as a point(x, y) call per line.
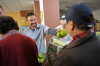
point(58, 30)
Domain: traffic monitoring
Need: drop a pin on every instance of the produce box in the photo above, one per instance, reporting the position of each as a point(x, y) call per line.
point(54, 46)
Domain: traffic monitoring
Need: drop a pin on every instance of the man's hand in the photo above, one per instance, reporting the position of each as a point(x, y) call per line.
point(58, 30)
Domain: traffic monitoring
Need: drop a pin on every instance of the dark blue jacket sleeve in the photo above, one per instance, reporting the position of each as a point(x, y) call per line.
point(52, 31)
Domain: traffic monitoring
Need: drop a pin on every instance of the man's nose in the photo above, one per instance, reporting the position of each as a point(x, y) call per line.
point(33, 21)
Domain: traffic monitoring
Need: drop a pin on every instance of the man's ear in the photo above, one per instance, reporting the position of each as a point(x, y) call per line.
point(71, 23)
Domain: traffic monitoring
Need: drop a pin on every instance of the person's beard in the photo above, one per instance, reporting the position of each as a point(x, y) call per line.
point(34, 25)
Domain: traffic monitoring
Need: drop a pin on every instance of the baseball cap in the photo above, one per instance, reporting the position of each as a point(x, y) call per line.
point(80, 13)
point(63, 17)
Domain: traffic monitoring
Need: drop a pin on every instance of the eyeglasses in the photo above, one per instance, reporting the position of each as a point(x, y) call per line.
point(65, 23)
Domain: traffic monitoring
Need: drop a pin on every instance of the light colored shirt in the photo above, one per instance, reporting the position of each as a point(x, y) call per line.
point(38, 35)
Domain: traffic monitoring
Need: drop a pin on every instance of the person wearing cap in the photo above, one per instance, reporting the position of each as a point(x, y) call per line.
point(62, 22)
point(66, 38)
point(84, 49)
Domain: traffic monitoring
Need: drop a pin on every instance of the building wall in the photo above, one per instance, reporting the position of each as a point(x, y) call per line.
point(20, 20)
point(51, 15)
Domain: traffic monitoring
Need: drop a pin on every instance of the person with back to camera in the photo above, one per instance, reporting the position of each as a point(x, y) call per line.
point(84, 49)
point(16, 49)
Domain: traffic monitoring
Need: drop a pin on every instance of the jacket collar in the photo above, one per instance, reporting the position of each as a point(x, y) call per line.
point(81, 40)
point(11, 32)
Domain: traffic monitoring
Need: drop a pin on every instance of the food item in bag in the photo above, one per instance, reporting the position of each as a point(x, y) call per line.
point(60, 43)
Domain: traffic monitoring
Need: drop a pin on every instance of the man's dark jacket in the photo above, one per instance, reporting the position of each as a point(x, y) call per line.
point(82, 52)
